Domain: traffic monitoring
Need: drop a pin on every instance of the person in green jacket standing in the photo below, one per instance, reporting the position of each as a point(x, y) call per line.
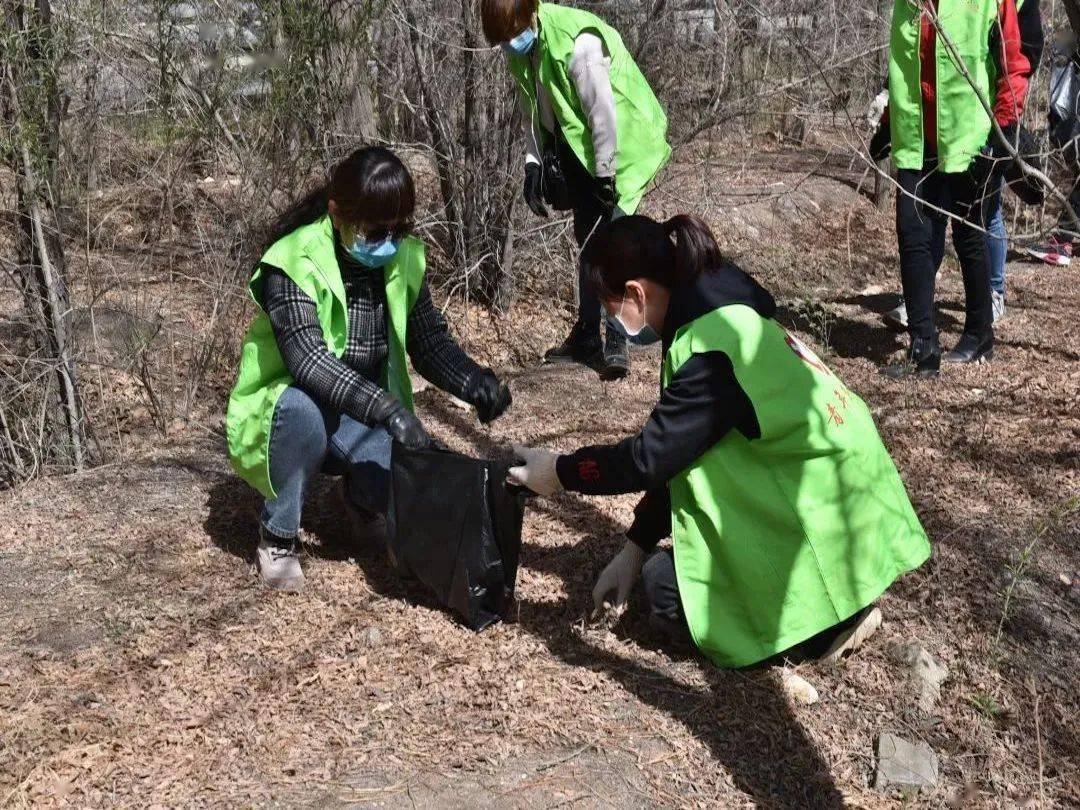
point(592, 120)
point(323, 384)
point(944, 138)
point(787, 515)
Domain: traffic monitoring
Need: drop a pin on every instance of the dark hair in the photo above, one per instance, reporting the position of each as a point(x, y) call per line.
point(504, 19)
point(370, 185)
point(673, 253)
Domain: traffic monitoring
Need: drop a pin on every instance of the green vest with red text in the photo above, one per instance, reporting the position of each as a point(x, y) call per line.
point(781, 537)
point(963, 125)
point(641, 125)
point(307, 257)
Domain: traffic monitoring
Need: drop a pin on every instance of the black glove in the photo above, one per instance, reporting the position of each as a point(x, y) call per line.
point(1028, 189)
point(402, 425)
point(490, 396)
point(534, 189)
point(998, 149)
point(881, 143)
point(991, 162)
point(606, 195)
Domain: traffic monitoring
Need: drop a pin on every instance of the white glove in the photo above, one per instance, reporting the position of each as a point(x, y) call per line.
point(539, 473)
point(619, 576)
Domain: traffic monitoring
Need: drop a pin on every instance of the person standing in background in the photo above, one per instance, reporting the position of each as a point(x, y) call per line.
point(1026, 36)
point(595, 137)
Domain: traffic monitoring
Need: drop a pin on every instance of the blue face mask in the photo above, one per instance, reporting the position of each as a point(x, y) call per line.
point(521, 44)
point(645, 336)
point(373, 254)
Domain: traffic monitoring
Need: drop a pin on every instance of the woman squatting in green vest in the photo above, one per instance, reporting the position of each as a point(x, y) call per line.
point(595, 137)
point(787, 515)
point(324, 385)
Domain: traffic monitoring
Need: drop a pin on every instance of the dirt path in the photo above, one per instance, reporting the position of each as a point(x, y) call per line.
point(143, 664)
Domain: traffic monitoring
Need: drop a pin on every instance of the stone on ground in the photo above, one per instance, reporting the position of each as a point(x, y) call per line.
point(904, 765)
point(798, 689)
point(927, 674)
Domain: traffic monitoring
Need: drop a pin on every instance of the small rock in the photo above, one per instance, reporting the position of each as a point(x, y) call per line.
point(926, 673)
point(460, 404)
point(1066, 580)
point(799, 689)
point(419, 384)
point(905, 765)
point(371, 637)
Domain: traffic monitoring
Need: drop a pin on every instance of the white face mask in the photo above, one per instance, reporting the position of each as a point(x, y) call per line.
point(642, 336)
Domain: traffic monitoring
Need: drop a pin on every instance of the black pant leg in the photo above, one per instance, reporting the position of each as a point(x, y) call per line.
point(662, 587)
point(914, 234)
point(588, 216)
point(972, 251)
point(1065, 226)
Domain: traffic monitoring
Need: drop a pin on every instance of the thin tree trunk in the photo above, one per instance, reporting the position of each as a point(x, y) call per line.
point(42, 255)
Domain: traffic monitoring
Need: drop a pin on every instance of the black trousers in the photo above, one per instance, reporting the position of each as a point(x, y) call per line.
point(1065, 227)
point(662, 591)
point(589, 214)
point(915, 235)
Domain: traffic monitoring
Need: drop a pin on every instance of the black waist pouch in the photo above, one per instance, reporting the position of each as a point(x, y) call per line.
point(454, 525)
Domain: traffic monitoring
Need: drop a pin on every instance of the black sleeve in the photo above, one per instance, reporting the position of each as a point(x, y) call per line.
point(434, 352)
point(652, 519)
point(1031, 33)
point(697, 409)
point(295, 321)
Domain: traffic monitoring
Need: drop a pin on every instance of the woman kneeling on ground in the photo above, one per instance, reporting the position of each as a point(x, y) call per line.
point(787, 514)
point(324, 384)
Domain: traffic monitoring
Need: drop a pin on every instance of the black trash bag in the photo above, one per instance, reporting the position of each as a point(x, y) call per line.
point(454, 525)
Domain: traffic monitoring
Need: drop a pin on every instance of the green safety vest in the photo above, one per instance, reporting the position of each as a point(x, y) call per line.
point(307, 257)
point(963, 126)
point(640, 122)
point(781, 537)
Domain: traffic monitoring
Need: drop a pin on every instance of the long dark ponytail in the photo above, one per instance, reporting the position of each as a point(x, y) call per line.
point(370, 185)
point(671, 253)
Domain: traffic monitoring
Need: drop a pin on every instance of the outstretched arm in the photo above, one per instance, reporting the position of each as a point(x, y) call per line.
point(696, 410)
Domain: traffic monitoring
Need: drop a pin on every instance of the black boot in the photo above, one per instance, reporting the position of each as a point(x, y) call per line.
point(582, 346)
point(923, 360)
point(972, 349)
point(616, 357)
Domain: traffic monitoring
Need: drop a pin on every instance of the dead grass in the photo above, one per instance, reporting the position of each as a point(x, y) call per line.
point(144, 666)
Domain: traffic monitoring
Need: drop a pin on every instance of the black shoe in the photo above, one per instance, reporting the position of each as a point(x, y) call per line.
point(972, 349)
point(582, 346)
point(923, 360)
point(616, 357)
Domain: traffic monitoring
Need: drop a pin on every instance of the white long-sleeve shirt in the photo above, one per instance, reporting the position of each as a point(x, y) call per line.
point(590, 72)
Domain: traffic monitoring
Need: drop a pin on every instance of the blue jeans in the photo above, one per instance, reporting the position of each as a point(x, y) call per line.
point(997, 244)
point(307, 439)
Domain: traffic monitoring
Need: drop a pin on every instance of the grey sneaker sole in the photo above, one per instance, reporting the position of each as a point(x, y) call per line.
point(855, 636)
point(614, 371)
point(286, 585)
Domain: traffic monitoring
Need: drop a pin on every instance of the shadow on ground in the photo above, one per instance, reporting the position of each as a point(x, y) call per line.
point(742, 717)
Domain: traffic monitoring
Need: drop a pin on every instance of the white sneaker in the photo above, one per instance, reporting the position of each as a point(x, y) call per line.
point(998, 305)
point(896, 319)
point(279, 564)
point(868, 623)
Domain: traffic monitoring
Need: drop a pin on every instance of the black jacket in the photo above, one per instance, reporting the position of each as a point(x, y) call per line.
point(701, 404)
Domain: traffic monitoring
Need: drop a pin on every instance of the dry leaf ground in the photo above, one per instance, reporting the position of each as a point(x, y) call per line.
point(141, 664)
